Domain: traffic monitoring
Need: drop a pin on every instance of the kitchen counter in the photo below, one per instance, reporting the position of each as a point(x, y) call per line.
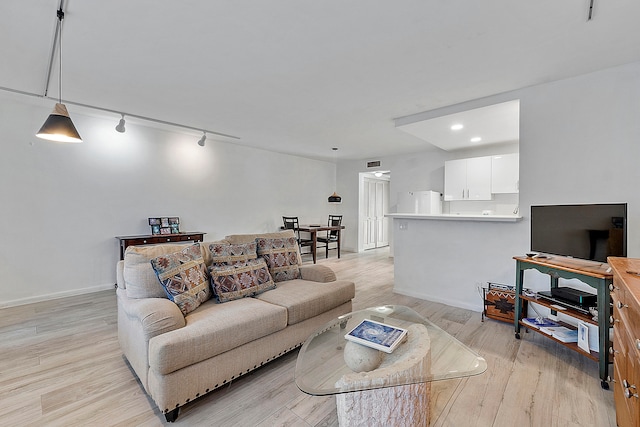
point(446, 258)
point(457, 217)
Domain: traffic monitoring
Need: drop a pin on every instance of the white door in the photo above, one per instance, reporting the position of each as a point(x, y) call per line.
point(382, 208)
point(369, 218)
point(376, 204)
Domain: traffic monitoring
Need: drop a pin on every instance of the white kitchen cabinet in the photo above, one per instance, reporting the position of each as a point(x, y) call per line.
point(505, 173)
point(468, 179)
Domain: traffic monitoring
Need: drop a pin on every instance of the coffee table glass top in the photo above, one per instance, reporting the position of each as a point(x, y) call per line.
point(321, 364)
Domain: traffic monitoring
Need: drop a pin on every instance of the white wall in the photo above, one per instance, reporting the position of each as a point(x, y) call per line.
point(63, 204)
point(420, 171)
point(579, 143)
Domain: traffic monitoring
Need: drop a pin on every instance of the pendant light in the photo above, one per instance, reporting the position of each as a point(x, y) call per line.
point(334, 198)
point(59, 127)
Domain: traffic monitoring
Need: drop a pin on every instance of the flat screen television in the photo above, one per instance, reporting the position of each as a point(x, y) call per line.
point(590, 231)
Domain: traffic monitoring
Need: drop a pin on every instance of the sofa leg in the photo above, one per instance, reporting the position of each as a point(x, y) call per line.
point(171, 416)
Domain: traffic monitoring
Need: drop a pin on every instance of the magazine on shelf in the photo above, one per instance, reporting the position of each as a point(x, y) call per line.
point(377, 335)
point(561, 333)
point(539, 322)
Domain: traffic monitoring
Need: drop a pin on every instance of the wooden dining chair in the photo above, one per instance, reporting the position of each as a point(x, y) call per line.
point(332, 235)
point(292, 223)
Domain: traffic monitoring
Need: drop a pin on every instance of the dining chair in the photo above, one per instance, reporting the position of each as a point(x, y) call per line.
point(332, 235)
point(292, 223)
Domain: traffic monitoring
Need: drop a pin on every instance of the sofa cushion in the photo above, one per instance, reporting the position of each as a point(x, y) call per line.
point(230, 282)
point(304, 299)
point(248, 238)
point(281, 255)
point(139, 278)
point(212, 330)
point(229, 254)
point(184, 278)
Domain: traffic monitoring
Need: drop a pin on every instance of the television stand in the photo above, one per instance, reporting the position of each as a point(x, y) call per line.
point(595, 274)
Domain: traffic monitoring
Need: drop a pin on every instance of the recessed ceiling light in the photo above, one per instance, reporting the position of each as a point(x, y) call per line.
point(457, 126)
point(476, 139)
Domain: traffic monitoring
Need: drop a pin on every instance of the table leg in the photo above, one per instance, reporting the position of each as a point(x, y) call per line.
point(518, 308)
point(314, 244)
point(339, 243)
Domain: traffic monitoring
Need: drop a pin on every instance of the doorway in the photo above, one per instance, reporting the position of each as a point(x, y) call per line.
point(374, 205)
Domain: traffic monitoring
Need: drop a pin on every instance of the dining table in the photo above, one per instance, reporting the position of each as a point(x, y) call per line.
point(313, 229)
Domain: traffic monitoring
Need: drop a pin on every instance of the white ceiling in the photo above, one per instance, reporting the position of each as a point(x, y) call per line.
point(301, 76)
point(492, 125)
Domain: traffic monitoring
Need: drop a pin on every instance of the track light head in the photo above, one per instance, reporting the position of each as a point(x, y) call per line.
point(203, 139)
point(120, 128)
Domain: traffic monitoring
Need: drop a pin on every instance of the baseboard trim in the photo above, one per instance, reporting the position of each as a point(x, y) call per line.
point(477, 308)
point(57, 295)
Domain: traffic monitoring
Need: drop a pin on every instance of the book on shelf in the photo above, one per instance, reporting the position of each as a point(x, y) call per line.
point(561, 333)
point(377, 335)
point(539, 322)
point(582, 337)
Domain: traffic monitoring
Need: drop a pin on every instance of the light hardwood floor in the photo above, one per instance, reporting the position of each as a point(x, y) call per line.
point(60, 365)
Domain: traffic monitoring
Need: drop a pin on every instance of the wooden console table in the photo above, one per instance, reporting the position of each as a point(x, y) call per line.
point(595, 274)
point(151, 239)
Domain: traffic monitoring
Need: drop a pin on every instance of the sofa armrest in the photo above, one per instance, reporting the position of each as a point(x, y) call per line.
point(154, 315)
point(317, 273)
point(139, 320)
point(120, 275)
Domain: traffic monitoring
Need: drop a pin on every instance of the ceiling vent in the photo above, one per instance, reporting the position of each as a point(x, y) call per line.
point(375, 164)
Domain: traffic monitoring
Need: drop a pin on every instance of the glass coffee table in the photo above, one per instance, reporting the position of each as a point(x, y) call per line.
point(429, 354)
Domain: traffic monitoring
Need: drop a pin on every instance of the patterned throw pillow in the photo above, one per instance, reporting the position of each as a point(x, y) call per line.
point(230, 254)
point(183, 275)
point(281, 256)
point(230, 282)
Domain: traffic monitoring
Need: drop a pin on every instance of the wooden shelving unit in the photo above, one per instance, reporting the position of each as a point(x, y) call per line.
point(593, 355)
point(595, 274)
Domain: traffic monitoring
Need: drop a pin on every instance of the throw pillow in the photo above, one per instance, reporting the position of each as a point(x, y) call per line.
point(248, 238)
point(230, 282)
point(281, 255)
point(183, 275)
point(229, 254)
point(140, 279)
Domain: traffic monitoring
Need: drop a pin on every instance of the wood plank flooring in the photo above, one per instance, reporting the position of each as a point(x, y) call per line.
point(60, 365)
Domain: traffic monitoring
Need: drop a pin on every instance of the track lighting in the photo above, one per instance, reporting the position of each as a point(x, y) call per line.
point(203, 139)
point(58, 126)
point(120, 128)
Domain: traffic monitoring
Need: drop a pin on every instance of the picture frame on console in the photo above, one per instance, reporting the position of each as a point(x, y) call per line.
point(165, 225)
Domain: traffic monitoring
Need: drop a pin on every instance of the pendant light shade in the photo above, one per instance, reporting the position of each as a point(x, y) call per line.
point(334, 198)
point(59, 127)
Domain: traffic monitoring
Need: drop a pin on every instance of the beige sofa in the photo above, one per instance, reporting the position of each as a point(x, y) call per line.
point(181, 357)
